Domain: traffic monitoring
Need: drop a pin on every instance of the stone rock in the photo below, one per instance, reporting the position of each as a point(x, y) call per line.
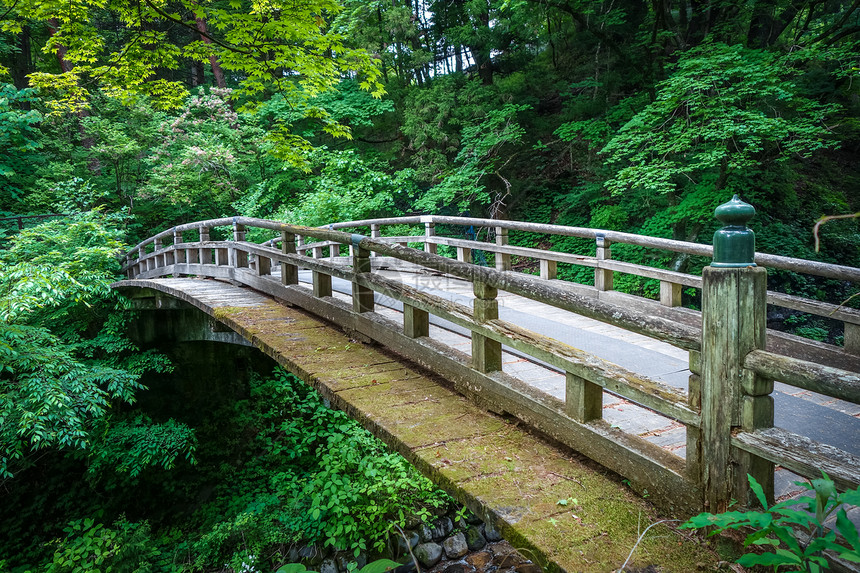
point(473, 519)
point(507, 560)
point(455, 546)
point(428, 554)
point(442, 528)
point(491, 533)
point(407, 567)
point(293, 555)
point(411, 521)
point(425, 532)
point(401, 543)
point(328, 566)
point(457, 568)
point(474, 539)
point(344, 559)
point(479, 560)
point(524, 568)
point(310, 555)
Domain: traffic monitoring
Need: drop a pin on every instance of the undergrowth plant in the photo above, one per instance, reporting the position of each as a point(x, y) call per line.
point(793, 532)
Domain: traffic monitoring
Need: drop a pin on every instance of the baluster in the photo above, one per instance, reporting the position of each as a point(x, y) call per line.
point(362, 296)
point(416, 322)
point(240, 257)
point(179, 255)
point(429, 231)
point(503, 260)
point(851, 338)
point(374, 234)
point(548, 269)
point(670, 293)
point(486, 352)
point(205, 254)
point(583, 400)
point(603, 277)
point(464, 254)
point(289, 273)
point(158, 257)
point(693, 457)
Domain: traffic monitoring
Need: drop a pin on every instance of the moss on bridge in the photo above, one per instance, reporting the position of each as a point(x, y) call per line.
point(559, 509)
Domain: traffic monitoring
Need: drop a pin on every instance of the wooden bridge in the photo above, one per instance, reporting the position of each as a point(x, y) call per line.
point(720, 416)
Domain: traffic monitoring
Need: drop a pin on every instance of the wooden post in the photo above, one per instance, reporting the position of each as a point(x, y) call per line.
point(322, 284)
point(583, 400)
point(548, 269)
point(693, 458)
point(362, 296)
point(289, 273)
point(416, 322)
point(486, 353)
point(733, 324)
point(503, 260)
point(159, 258)
point(264, 265)
point(205, 254)
point(429, 231)
point(670, 293)
point(851, 339)
point(464, 255)
point(603, 277)
point(179, 255)
point(374, 234)
point(240, 257)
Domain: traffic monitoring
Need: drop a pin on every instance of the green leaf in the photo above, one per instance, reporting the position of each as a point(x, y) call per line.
point(379, 566)
point(291, 568)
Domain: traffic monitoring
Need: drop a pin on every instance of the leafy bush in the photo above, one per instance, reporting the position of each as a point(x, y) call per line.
point(794, 529)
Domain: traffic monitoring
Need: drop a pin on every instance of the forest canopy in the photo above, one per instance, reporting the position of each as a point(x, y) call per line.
point(131, 117)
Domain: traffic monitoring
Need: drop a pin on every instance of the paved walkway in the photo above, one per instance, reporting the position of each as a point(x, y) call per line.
point(820, 417)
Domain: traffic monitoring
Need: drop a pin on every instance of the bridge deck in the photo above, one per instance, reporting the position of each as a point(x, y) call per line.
point(822, 418)
point(498, 469)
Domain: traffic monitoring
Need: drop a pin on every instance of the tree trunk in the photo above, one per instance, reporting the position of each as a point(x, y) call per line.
point(22, 64)
point(213, 60)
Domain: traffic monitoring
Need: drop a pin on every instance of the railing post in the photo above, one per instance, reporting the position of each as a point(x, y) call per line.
point(159, 259)
point(141, 264)
point(486, 353)
point(503, 260)
point(205, 254)
point(429, 231)
point(733, 323)
point(583, 400)
point(374, 234)
point(322, 281)
point(289, 273)
point(416, 322)
point(179, 255)
point(464, 254)
point(548, 269)
point(362, 296)
point(670, 293)
point(240, 258)
point(603, 277)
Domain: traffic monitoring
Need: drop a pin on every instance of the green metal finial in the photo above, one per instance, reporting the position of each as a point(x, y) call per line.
point(734, 244)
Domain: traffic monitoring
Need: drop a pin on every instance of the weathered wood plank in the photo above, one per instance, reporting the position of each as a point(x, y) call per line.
point(802, 455)
point(834, 382)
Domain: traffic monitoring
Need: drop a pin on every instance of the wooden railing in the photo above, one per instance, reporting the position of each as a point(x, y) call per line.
point(727, 411)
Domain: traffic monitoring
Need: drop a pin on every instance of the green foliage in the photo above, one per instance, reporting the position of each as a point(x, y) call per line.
point(378, 566)
point(56, 384)
point(342, 487)
point(91, 547)
point(725, 109)
point(776, 528)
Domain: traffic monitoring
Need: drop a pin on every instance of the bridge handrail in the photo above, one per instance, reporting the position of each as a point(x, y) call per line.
point(233, 260)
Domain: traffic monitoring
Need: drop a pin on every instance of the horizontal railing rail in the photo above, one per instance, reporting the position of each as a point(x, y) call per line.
point(729, 425)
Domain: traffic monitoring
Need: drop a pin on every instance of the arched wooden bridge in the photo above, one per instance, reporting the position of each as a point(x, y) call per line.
point(678, 402)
